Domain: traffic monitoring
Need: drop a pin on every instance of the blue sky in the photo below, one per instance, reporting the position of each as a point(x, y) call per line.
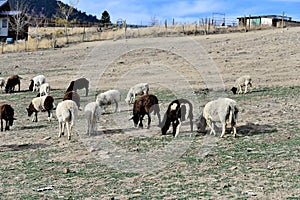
point(142, 11)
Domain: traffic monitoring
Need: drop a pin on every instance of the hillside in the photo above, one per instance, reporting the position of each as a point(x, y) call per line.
point(49, 9)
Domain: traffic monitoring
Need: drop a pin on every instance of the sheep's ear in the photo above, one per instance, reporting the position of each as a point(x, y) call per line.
point(14, 119)
point(131, 118)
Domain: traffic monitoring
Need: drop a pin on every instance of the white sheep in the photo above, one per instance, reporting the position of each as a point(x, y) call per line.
point(109, 97)
point(36, 82)
point(66, 113)
point(241, 82)
point(44, 89)
point(92, 113)
point(138, 89)
point(2, 82)
point(222, 110)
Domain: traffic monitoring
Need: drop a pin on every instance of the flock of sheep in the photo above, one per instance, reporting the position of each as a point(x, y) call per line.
point(221, 110)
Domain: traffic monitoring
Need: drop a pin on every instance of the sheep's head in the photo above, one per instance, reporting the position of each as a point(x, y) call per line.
point(127, 100)
point(135, 119)
point(201, 124)
point(103, 100)
point(234, 90)
point(29, 111)
point(8, 89)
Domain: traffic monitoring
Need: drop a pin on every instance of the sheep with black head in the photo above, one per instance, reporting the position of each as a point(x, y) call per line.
point(178, 110)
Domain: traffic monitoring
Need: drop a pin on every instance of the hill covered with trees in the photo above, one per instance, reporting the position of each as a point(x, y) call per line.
point(50, 9)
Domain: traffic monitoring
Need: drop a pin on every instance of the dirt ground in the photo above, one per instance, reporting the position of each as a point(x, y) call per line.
point(174, 67)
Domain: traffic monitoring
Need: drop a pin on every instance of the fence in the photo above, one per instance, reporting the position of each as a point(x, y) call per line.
point(54, 37)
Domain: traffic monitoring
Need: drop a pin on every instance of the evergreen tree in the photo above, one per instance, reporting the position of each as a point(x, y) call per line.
point(105, 19)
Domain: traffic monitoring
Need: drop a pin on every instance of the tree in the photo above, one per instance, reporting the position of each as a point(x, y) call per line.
point(153, 21)
point(19, 20)
point(65, 11)
point(105, 19)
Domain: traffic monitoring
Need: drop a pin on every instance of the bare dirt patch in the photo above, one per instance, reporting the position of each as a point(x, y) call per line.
point(261, 163)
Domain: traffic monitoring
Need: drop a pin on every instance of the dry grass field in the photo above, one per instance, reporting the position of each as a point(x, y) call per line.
point(122, 162)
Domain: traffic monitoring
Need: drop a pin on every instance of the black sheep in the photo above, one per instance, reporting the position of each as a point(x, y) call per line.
point(176, 113)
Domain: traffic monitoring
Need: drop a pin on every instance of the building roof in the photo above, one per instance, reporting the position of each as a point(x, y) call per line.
point(266, 16)
point(2, 2)
point(10, 12)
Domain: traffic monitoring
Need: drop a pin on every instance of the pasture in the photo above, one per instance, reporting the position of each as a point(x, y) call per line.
point(122, 162)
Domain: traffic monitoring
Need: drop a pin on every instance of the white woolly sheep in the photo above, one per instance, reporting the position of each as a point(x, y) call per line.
point(44, 103)
point(222, 110)
point(44, 89)
point(36, 82)
point(66, 113)
point(109, 97)
point(138, 89)
point(241, 82)
point(92, 113)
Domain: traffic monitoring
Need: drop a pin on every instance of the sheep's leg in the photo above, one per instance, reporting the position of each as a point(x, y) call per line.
point(49, 115)
point(240, 90)
point(149, 120)
point(86, 91)
point(68, 129)
point(245, 89)
point(177, 127)
point(159, 118)
point(59, 129)
point(36, 119)
point(94, 126)
point(6, 125)
point(210, 125)
point(165, 128)
point(19, 87)
point(88, 127)
point(141, 121)
point(234, 130)
point(191, 124)
point(117, 106)
point(1, 125)
point(223, 129)
point(63, 128)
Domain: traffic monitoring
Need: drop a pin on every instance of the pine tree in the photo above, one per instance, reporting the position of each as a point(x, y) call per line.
point(105, 19)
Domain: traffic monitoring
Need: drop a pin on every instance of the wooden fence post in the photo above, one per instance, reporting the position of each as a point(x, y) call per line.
point(282, 22)
point(125, 28)
point(208, 26)
point(83, 35)
point(249, 22)
point(204, 26)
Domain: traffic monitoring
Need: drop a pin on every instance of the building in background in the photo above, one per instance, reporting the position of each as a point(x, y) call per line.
point(267, 20)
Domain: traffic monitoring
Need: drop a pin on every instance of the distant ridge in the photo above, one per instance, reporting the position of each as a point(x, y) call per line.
point(49, 8)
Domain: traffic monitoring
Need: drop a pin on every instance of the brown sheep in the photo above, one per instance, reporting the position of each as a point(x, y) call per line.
point(79, 84)
point(7, 114)
point(144, 106)
point(12, 82)
point(71, 95)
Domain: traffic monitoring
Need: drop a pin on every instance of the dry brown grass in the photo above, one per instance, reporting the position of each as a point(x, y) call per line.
point(50, 37)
